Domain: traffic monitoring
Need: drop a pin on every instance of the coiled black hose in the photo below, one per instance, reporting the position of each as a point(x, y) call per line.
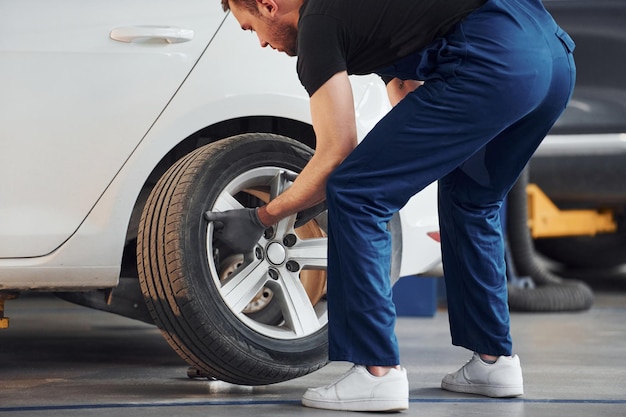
point(541, 291)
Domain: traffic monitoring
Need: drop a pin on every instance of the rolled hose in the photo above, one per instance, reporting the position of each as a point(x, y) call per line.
point(546, 292)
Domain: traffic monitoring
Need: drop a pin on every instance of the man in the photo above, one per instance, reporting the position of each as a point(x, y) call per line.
point(496, 75)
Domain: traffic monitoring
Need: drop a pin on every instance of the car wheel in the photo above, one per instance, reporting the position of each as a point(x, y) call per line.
point(254, 319)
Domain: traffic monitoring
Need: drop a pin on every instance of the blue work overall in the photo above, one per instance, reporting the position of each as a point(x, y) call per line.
point(494, 86)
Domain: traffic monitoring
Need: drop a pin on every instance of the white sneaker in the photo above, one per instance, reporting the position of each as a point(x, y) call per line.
point(358, 390)
point(500, 379)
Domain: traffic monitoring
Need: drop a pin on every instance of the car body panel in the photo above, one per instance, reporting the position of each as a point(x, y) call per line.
point(76, 103)
point(582, 171)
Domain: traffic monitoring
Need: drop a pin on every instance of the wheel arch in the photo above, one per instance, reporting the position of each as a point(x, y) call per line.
point(126, 298)
point(295, 129)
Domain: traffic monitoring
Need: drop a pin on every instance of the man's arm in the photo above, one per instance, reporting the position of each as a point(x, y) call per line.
point(332, 112)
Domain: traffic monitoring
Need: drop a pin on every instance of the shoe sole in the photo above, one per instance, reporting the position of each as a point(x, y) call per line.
point(358, 405)
point(486, 390)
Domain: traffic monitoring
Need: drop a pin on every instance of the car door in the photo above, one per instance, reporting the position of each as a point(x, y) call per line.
point(81, 82)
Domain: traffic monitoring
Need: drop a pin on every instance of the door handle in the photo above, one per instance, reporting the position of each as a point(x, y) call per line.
point(167, 34)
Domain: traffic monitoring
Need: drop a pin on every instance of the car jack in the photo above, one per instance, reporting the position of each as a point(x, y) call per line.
point(4, 295)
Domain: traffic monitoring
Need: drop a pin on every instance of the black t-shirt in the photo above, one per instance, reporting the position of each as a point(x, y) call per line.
point(363, 36)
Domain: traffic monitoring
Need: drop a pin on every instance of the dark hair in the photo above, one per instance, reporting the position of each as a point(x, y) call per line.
point(249, 5)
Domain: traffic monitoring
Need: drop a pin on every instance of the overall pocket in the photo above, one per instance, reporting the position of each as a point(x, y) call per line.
point(567, 42)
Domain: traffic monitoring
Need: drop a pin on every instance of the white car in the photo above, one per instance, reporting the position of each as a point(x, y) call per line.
point(121, 122)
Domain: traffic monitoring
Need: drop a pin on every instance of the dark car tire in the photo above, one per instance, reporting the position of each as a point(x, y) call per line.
point(183, 285)
point(598, 252)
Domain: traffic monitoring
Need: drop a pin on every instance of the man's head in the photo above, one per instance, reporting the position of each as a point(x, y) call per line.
point(274, 21)
point(247, 4)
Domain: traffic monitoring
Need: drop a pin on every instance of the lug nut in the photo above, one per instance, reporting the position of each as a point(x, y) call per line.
point(268, 233)
point(290, 240)
point(292, 266)
point(258, 252)
point(273, 273)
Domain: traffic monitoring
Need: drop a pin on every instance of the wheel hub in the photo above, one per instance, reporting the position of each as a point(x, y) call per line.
point(276, 253)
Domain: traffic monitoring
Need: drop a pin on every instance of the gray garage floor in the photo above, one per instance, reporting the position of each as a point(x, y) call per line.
point(58, 359)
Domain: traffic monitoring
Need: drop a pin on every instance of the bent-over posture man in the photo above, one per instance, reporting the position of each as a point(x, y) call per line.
point(496, 75)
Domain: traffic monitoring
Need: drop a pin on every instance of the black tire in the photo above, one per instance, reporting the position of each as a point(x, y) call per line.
point(181, 282)
point(597, 252)
point(188, 292)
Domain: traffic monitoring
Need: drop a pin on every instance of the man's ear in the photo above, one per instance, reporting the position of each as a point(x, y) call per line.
point(267, 8)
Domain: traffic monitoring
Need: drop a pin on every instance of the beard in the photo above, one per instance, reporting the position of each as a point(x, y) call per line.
point(285, 38)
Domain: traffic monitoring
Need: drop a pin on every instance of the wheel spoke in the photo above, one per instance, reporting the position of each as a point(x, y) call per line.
point(243, 285)
point(298, 312)
point(310, 253)
point(285, 226)
point(290, 314)
point(226, 202)
point(280, 183)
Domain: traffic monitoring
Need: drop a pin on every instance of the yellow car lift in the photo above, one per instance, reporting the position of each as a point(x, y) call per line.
point(545, 219)
point(5, 295)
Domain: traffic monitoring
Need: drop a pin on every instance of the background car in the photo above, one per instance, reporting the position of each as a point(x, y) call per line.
point(581, 165)
point(121, 123)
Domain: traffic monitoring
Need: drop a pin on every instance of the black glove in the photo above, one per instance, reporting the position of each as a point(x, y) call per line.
point(238, 229)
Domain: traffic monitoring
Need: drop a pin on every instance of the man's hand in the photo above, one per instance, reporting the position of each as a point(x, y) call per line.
point(239, 229)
